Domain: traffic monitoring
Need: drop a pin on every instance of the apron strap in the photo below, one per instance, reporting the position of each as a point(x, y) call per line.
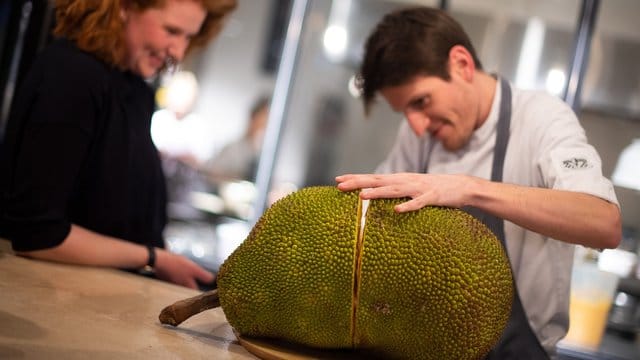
point(518, 340)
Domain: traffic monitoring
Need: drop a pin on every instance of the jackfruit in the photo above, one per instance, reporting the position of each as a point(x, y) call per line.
point(427, 284)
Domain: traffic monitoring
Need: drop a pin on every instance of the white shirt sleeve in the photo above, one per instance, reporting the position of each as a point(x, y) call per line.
point(565, 159)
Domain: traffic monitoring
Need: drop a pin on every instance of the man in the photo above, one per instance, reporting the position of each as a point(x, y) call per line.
point(519, 160)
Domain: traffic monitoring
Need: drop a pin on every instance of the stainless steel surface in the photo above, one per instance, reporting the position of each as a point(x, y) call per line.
point(624, 317)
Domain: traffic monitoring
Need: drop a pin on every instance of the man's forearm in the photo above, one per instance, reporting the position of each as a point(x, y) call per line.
point(563, 215)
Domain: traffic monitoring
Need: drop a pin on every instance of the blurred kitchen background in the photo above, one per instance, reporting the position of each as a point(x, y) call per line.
point(299, 57)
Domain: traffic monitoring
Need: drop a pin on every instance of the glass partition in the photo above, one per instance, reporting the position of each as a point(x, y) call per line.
point(611, 83)
point(529, 42)
point(211, 113)
point(325, 131)
point(326, 134)
point(611, 102)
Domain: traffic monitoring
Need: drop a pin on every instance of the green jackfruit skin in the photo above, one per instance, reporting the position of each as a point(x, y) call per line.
point(434, 284)
point(292, 278)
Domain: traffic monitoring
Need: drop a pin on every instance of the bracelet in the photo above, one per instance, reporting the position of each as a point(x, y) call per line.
point(151, 261)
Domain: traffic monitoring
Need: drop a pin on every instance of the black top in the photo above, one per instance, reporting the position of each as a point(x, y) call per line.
point(78, 150)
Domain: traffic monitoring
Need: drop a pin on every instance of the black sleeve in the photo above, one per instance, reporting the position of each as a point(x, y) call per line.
point(48, 137)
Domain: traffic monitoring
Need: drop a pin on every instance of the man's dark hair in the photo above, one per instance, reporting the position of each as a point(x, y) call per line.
point(410, 42)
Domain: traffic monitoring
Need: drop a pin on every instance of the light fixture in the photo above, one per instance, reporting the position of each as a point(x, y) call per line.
point(336, 36)
point(335, 42)
point(555, 81)
point(530, 53)
point(353, 88)
point(627, 170)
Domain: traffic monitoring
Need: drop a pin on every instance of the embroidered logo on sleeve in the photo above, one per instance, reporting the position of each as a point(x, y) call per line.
point(576, 163)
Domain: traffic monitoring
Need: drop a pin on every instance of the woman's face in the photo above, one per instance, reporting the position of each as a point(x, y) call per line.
point(157, 36)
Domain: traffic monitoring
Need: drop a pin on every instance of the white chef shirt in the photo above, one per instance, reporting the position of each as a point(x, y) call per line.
point(548, 149)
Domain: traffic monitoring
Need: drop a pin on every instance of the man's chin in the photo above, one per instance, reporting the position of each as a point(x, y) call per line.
point(450, 145)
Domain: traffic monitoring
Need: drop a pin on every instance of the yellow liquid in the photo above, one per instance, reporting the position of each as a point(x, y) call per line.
point(587, 321)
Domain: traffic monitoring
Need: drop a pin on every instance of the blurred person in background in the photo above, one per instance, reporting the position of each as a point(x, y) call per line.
point(181, 136)
point(238, 160)
point(81, 178)
point(179, 132)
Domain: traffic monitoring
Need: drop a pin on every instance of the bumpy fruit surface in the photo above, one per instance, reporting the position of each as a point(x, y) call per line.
point(428, 284)
point(292, 278)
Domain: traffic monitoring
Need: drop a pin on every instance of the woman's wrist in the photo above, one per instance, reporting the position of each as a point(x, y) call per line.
point(151, 259)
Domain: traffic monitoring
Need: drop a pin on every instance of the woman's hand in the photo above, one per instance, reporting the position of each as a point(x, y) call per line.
point(180, 270)
point(86, 247)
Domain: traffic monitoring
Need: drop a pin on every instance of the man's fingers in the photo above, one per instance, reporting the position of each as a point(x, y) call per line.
point(413, 204)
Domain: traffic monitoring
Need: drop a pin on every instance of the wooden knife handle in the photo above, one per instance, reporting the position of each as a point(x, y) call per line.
point(180, 311)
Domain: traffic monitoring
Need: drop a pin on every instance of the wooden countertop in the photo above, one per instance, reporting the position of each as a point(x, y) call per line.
point(58, 311)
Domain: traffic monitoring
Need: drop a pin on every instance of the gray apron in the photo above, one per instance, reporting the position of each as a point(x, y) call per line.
point(518, 340)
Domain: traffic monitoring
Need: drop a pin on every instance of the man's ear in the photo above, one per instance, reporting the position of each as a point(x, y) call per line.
point(461, 62)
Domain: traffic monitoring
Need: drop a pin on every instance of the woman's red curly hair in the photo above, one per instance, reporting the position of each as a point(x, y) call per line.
point(95, 26)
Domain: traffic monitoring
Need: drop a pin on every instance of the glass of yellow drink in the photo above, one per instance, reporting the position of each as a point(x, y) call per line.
point(592, 292)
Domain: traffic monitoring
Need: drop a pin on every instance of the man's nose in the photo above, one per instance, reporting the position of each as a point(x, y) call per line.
point(418, 122)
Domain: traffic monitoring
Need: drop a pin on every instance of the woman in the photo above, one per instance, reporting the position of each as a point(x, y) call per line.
point(81, 179)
